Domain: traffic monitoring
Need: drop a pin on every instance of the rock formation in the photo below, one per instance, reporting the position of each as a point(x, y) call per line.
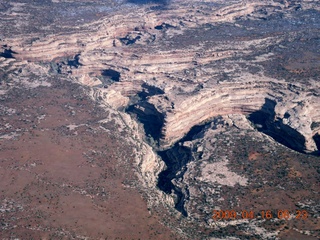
point(176, 66)
point(188, 76)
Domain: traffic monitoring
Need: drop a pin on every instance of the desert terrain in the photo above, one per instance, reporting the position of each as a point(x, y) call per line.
point(152, 119)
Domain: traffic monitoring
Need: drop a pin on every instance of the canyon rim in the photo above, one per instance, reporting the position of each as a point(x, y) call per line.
point(140, 119)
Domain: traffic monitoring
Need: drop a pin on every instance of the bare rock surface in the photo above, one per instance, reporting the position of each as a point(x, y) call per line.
point(211, 104)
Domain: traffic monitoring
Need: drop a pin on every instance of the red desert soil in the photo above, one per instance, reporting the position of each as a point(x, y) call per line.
point(59, 183)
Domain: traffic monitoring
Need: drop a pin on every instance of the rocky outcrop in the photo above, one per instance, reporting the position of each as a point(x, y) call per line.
point(193, 91)
point(174, 68)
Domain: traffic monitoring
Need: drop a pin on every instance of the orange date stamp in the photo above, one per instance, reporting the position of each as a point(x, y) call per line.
point(263, 214)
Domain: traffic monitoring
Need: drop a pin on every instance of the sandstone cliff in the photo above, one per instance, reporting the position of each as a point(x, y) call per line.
point(165, 70)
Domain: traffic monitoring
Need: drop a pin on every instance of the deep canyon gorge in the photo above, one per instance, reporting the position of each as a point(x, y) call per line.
point(184, 106)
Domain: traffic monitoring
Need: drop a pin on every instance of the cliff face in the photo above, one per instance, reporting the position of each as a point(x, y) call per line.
point(205, 75)
point(180, 65)
point(226, 164)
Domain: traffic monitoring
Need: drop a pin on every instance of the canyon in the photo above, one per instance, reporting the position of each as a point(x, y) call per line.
point(218, 102)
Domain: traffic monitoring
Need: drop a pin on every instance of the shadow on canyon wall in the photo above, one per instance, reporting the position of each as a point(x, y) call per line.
point(112, 74)
point(178, 156)
point(74, 62)
point(316, 139)
point(7, 53)
point(149, 116)
point(265, 121)
point(148, 91)
point(176, 159)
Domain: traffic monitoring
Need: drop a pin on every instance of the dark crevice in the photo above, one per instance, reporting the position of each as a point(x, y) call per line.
point(176, 159)
point(148, 91)
point(314, 125)
point(286, 115)
point(146, 113)
point(197, 131)
point(111, 74)
point(316, 139)
point(74, 62)
point(262, 117)
point(129, 39)
point(7, 53)
point(149, 116)
point(163, 26)
point(60, 67)
point(265, 121)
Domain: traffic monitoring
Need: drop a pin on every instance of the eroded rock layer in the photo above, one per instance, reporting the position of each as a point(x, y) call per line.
point(199, 60)
point(176, 65)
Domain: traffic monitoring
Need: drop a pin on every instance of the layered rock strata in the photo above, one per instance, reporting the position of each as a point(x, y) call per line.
point(189, 77)
point(181, 65)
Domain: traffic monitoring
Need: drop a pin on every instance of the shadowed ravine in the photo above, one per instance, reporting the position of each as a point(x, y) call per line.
point(266, 122)
point(177, 157)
